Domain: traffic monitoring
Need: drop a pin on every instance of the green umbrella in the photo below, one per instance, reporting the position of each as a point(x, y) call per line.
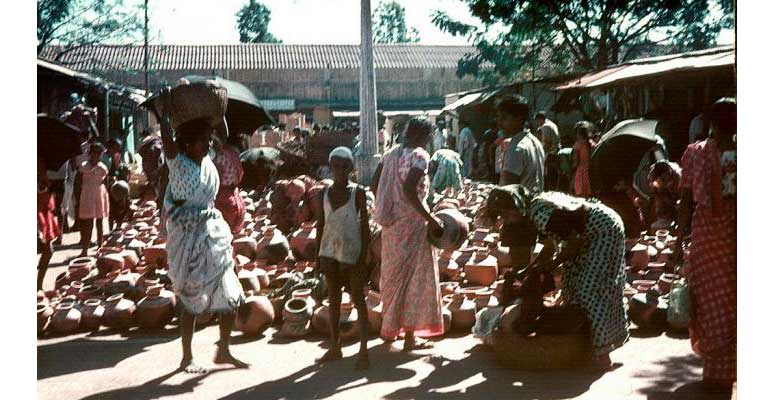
point(619, 152)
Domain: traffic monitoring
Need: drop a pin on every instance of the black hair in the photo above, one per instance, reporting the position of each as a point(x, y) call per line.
point(417, 126)
point(189, 131)
point(515, 105)
point(96, 146)
point(540, 115)
point(282, 125)
point(296, 129)
point(723, 115)
point(115, 141)
point(316, 127)
point(583, 128)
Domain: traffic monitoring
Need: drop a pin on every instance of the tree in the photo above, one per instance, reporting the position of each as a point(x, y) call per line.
point(565, 35)
point(390, 24)
point(72, 24)
point(253, 24)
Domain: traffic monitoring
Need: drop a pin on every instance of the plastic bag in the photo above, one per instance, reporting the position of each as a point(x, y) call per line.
point(679, 310)
point(487, 319)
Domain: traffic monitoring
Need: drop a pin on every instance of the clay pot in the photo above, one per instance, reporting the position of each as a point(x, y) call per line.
point(119, 312)
point(255, 315)
point(303, 242)
point(639, 256)
point(665, 283)
point(643, 286)
point(485, 298)
point(449, 288)
point(447, 319)
point(92, 312)
point(482, 268)
point(155, 310)
point(263, 276)
point(463, 312)
point(297, 315)
point(347, 320)
point(131, 259)
point(156, 254)
point(665, 256)
point(273, 246)
point(45, 312)
point(278, 303)
point(374, 305)
point(74, 288)
point(245, 246)
point(448, 268)
point(79, 268)
point(657, 267)
point(510, 315)
point(470, 291)
point(648, 311)
point(249, 280)
point(455, 230)
point(629, 292)
point(66, 318)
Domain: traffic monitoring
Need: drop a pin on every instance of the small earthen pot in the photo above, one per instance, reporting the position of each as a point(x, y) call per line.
point(66, 318)
point(463, 312)
point(665, 283)
point(92, 312)
point(255, 315)
point(119, 312)
point(643, 286)
point(155, 310)
point(45, 311)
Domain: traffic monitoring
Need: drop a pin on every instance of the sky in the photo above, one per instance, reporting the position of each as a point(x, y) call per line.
point(293, 21)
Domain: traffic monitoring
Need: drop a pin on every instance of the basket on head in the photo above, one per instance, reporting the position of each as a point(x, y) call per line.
point(194, 100)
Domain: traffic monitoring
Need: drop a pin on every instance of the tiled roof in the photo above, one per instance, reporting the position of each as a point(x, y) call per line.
point(255, 56)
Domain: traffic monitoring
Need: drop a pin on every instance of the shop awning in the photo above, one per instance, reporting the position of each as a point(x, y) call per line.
point(717, 57)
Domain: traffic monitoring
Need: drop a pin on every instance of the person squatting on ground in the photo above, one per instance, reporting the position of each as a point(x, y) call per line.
point(200, 256)
point(343, 240)
point(409, 280)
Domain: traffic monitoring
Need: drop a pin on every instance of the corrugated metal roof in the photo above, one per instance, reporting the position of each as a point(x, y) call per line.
point(717, 57)
point(256, 56)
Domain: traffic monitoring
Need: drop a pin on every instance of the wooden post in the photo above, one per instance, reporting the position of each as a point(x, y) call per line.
point(366, 164)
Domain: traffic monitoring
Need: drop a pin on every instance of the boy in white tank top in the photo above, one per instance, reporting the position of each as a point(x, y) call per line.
point(342, 239)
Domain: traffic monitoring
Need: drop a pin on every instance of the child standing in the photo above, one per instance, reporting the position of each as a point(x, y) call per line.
point(342, 240)
point(93, 199)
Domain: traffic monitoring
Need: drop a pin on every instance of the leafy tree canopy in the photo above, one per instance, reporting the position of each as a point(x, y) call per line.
point(253, 24)
point(76, 23)
point(556, 36)
point(390, 24)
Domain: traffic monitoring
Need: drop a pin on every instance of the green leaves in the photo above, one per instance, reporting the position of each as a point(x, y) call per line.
point(390, 24)
point(253, 24)
point(545, 37)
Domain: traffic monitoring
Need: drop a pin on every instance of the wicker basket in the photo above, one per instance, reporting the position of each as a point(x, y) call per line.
point(189, 101)
point(542, 351)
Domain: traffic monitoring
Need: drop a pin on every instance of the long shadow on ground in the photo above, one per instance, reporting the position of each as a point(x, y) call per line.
point(57, 359)
point(677, 370)
point(154, 389)
point(320, 381)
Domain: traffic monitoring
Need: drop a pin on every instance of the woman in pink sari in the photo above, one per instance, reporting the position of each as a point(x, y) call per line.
point(708, 215)
point(581, 158)
point(228, 200)
point(409, 271)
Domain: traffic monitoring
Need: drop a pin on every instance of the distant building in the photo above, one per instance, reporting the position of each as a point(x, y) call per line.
point(289, 77)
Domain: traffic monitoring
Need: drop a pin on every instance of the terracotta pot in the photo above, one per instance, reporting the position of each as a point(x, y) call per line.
point(639, 256)
point(463, 312)
point(470, 291)
point(665, 283)
point(154, 311)
point(629, 292)
point(156, 254)
point(110, 262)
point(447, 319)
point(61, 280)
point(273, 246)
point(448, 268)
point(80, 267)
point(119, 312)
point(511, 314)
point(449, 288)
point(255, 315)
point(455, 230)
point(262, 276)
point(303, 242)
point(482, 268)
point(648, 311)
point(245, 246)
point(278, 303)
point(45, 312)
point(657, 267)
point(74, 288)
point(485, 298)
point(643, 286)
point(92, 312)
point(348, 317)
point(249, 280)
point(502, 254)
point(131, 259)
point(297, 315)
point(66, 318)
point(665, 256)
point(374, 305)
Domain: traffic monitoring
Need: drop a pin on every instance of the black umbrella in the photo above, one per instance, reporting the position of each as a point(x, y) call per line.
point(57, 141)
point(244, 113)
point(619, 152)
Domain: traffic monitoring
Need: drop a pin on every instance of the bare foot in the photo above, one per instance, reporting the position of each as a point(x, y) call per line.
point(189, 367)
point(330, 355)
point(417, 344)
point(224, 357)
point(362, 361)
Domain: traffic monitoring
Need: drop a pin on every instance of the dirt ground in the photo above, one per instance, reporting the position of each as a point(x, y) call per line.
point(141, 365)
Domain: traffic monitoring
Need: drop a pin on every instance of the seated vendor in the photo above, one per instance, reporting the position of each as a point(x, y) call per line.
point(591, 261)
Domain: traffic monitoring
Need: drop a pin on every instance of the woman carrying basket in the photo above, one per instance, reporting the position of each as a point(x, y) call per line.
point(201, 264)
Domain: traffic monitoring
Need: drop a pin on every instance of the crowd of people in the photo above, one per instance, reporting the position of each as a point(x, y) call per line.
point(543, 196)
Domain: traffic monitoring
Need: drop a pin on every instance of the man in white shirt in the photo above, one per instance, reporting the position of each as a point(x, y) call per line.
point(525, 159)
point(465, 148)
point(548, 133)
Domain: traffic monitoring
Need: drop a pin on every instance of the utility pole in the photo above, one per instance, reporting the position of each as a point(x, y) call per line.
point(368, 123)
point(145, 50)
